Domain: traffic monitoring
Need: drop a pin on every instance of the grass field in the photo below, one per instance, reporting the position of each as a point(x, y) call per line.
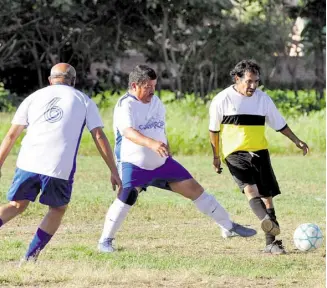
point(165, 241)
point(195, 139)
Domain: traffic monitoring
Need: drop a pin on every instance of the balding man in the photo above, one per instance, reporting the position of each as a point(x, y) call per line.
point(54, 117)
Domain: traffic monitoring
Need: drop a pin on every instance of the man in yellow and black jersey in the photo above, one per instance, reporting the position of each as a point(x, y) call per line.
point(238, 116)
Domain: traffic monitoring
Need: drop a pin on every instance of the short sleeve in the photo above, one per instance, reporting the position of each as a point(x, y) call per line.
point(93, 118)
point(273, 118)
point(21, 115)
point(215, 115)
point(124, 116)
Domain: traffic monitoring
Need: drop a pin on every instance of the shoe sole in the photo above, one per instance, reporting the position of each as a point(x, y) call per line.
point(274, 253)
point(268, 226)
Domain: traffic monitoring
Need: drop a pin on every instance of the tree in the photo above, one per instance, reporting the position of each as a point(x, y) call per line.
point(314, 36)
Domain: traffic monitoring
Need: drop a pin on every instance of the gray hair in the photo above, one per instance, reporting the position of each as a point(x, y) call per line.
point(69, 74)
point(141, 74)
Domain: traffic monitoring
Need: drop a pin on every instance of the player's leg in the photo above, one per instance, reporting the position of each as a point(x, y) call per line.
point(132, 177)
point(273, 246)
point(45, 231)
point(56, 194)
point(243, 167)
point(24, 188)
point(182, 182)
point(269, 188)
point(115, 217)
point(11, 210)
point(208, 205)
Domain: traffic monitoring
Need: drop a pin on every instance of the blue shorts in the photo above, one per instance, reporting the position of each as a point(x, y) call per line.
point(171, 171)
point(27, 185)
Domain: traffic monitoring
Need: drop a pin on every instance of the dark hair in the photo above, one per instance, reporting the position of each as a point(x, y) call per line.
point(244, 66)
point(141, 74)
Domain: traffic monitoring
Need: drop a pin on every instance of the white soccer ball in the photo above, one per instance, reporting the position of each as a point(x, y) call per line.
point(308, 237)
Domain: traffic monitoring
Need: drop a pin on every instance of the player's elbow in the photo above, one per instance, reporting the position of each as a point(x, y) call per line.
point(98, 134)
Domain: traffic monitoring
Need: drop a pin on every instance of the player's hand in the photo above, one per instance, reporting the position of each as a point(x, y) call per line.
point(303, 146)
point(160, 148)
point(116, 182)
point(217, 165)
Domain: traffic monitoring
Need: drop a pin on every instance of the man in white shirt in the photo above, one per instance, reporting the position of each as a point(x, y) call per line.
point(238, 115)
point(143, 159)
point(55, 117)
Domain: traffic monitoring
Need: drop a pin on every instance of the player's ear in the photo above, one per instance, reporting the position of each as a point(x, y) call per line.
point(133, 85)
point(49, 78)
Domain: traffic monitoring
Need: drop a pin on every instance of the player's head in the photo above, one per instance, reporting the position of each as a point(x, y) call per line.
point(142, 83)
point(246, 76)
point(62, 73)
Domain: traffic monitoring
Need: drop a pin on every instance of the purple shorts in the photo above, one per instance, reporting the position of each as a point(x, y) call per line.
point(171, 171)
point(27, 185)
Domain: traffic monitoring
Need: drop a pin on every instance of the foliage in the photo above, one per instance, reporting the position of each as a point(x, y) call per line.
point(187, 123)
point(193, 43)
point(294, 104)
point(313, 36)
point(7, 101)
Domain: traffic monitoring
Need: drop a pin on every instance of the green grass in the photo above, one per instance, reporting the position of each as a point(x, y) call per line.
point(165, 241)
point(187, 129)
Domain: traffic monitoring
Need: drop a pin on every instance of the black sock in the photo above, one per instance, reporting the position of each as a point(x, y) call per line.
point(258, 207)
point(271, 213)
point(270, 238)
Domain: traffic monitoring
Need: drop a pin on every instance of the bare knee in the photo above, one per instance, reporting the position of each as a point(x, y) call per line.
point(268, 201)
point(20, 205)
point(58, 210)
point(251, 191)
point(190, 188)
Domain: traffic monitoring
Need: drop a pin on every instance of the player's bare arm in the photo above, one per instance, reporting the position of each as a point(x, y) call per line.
point(105, 150)
point(214, 140)
point(9, 141)
point(138, 138)
point(299, 143)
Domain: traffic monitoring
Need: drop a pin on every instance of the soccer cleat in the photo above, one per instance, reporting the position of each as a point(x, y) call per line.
point(106, 246)
point(275, 248)
point(238, 230)
point(270, 226)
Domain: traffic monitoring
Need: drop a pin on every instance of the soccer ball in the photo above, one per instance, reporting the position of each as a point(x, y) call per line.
point(308, 237)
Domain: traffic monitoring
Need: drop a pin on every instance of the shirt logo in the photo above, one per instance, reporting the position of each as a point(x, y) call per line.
point(153, 124)
point(53, 113)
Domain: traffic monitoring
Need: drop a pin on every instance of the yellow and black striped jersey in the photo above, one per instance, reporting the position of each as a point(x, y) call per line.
point(241, 120)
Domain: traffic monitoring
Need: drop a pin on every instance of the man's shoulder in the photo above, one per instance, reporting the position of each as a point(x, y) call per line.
point(222, 95)
point(126, 99)
point(263, 94)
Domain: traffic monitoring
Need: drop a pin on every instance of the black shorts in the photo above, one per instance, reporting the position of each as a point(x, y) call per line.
point(249, 168)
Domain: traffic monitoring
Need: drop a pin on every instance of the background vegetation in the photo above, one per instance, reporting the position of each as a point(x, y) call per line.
point(187, 122)
point(193, 44)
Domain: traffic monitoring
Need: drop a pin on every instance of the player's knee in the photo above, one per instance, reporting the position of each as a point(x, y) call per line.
point(251, 191)
point(128, 196)
point(59, 210)
point(20, 205)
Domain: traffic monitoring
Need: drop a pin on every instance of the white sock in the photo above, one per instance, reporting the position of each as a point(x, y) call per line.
point(116, 214)
point(208, 205)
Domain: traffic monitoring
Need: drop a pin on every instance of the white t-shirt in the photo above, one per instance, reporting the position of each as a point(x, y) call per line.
point(55, 117)
point(148, 119)
point(229, 102)
point(242, 119)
